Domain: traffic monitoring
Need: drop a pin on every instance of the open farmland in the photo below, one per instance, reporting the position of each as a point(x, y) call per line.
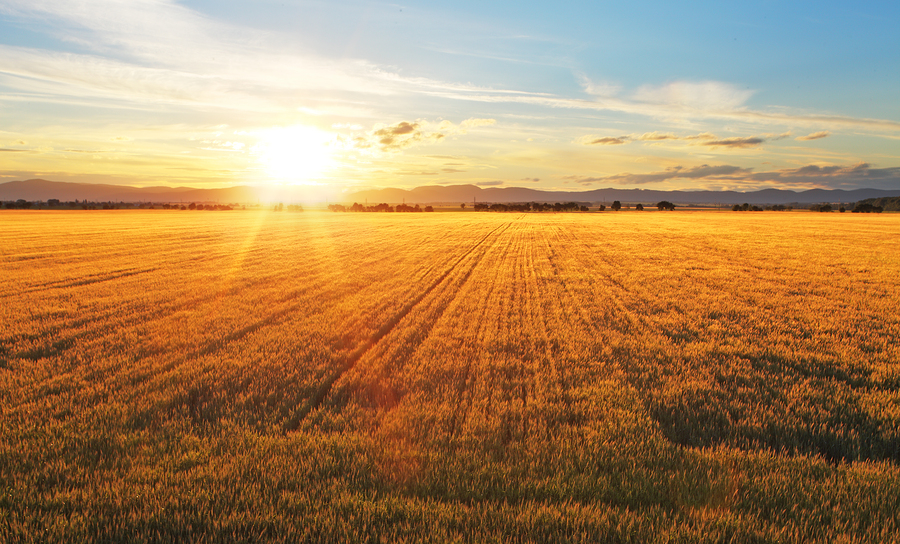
point(471, 377)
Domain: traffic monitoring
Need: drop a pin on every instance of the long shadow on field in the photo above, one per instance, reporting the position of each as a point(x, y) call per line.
point(767, 402)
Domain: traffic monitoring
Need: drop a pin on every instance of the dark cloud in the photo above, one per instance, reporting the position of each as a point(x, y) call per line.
point(396, 137)
point(608, 141)
point(835, 176)
point(698, 172)
point(678, 172)
point(735, 142)
point(705, 138)
point(489, 183)
point(814, 136)
point(400, 128)
point(706, 171)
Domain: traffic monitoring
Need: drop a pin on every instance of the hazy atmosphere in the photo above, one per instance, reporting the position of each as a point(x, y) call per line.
point(365, 94)
point(651, 295)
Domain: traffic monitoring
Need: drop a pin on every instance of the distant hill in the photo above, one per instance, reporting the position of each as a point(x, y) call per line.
point(39, 189)
point(472, 193)
point(888, 204)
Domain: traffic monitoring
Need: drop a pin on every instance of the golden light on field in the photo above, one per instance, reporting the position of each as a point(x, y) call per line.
point(295, 154)
point(568, 377)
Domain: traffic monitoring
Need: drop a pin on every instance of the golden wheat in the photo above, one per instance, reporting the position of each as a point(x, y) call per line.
point(321, 377)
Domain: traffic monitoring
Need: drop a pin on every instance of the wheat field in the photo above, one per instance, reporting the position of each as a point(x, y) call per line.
point(449, 377)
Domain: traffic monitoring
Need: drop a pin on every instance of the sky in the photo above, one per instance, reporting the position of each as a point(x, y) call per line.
point(360, 94)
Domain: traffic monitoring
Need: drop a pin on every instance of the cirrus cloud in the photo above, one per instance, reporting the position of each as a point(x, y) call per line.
point(810, 176)
point(607, 140)
point(735, 142)
point(814, 136)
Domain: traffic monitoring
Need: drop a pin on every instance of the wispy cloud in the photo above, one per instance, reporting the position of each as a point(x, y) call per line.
point(740, 143)
point(607, 140)
point(677, 172)
point(601, 89)
point(665, 106)
point(162, 51)
point(807, 176)
point(814, 136)
point(656, 137)
point(159, 50)
point(704, 96)
point(704, 139)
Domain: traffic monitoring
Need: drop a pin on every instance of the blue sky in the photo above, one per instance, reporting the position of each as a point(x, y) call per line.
point(359, 94)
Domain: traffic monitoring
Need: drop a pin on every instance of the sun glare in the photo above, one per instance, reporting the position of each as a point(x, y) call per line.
point(296, 154)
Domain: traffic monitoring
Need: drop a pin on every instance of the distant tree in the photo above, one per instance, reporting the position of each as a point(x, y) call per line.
point(616, 205)
point(601, 207)
point(463, 205)
point(192, 206)
point(639, 207)
point(665, 205)
point(865, 207)
point(736, 208)
point(842, 209)
point(429, 209)
point(584, 208)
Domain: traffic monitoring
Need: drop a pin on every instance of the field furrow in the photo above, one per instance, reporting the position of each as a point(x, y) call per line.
point(464, 376)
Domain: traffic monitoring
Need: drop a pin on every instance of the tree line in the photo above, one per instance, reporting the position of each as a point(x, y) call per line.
point(383, 207)
point(53, 203)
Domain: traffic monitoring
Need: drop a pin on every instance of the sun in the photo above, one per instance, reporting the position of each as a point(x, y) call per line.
point(296, 154)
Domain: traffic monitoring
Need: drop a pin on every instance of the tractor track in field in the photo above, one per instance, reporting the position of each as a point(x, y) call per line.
point(466, 387)
point(219, 344)
point(104, 323)
point(386, 328)
point(84, 280)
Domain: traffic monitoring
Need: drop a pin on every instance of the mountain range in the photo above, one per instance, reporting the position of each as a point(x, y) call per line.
point(38, 189)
